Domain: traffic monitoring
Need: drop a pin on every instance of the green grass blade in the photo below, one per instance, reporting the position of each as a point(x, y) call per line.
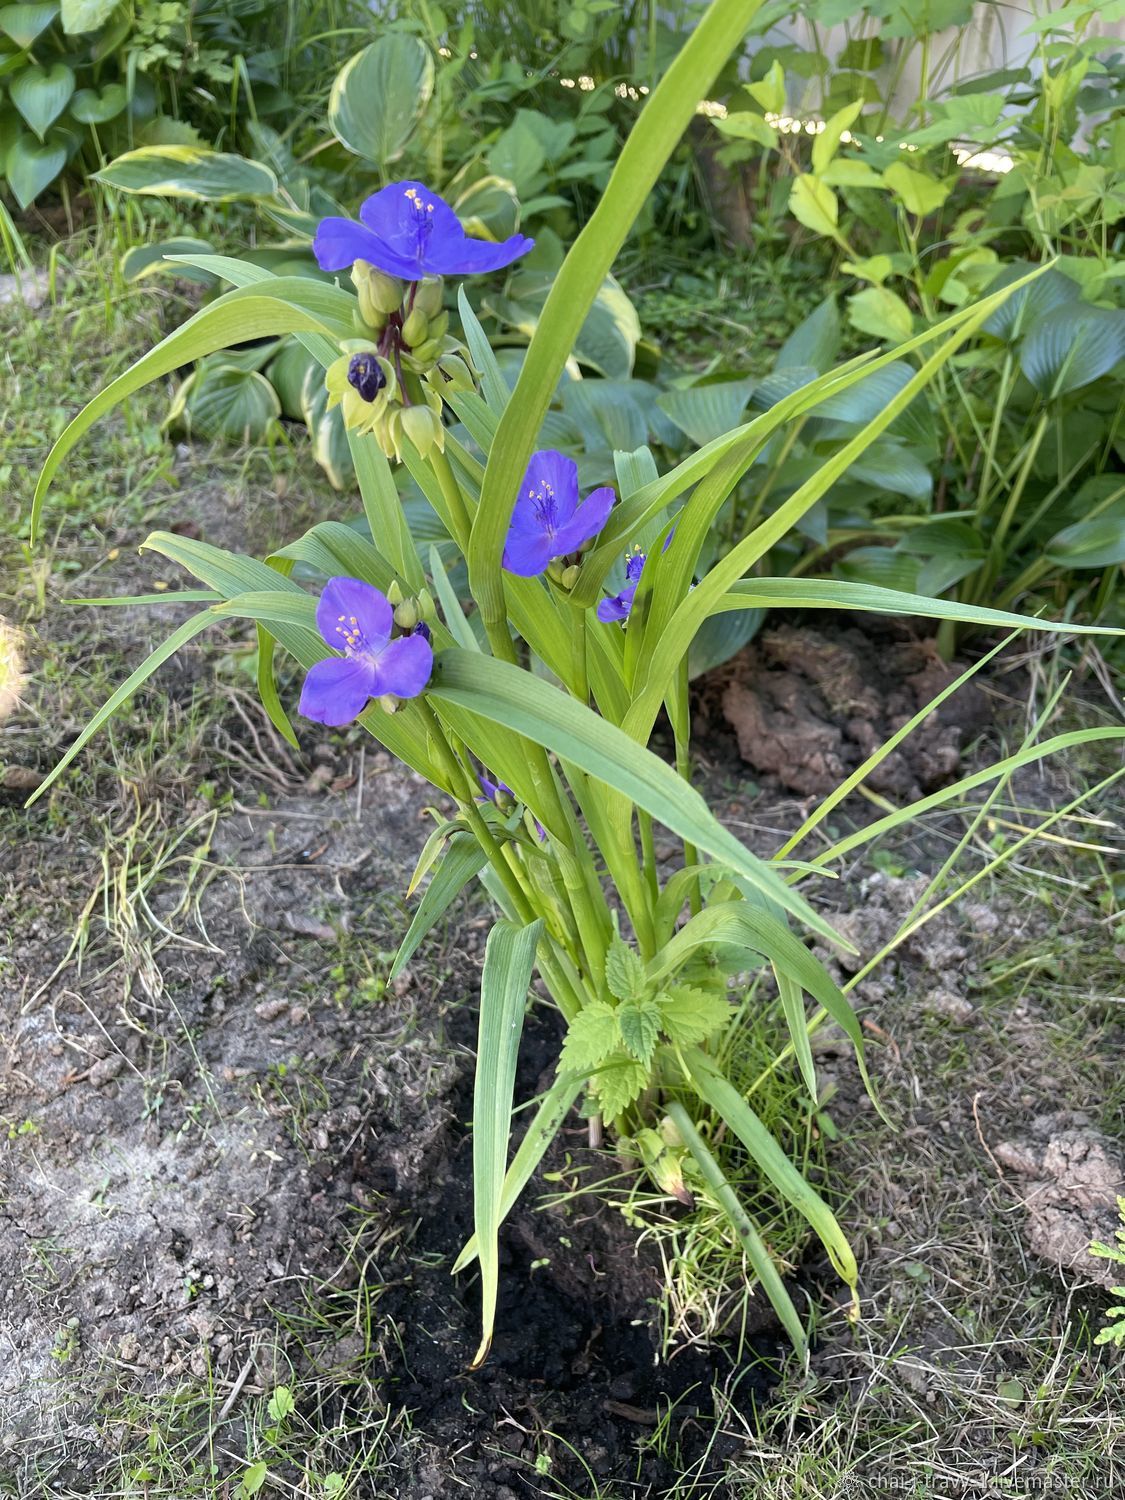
point(861, 772)
point(666, 115)
point(463, 860)
point(509, 696)
point(492, 382)
point(509, 958)
point(729, 1104)
point(915, 810)
point(748, 1236)
point(532, 1148)
point(155, 659)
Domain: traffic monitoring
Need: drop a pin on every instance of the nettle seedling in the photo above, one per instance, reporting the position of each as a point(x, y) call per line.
point(528, 707)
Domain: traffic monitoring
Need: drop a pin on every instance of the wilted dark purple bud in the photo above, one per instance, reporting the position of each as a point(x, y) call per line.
point(423, 630)
point(366, 375)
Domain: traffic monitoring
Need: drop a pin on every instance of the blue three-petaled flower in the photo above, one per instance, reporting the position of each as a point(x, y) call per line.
point(547, 520)
point(406, 230)
point(358, 620)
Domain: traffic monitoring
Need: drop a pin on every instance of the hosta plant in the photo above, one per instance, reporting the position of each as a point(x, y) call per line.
point(526, 705)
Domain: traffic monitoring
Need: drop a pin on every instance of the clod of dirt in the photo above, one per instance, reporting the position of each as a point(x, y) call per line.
point(809, 707)
point(1072, 1177)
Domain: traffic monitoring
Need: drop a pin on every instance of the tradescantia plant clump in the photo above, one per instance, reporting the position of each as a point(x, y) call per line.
point(530, 706)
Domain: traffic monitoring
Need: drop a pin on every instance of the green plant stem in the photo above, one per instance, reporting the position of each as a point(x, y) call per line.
point(451, 493)
point(1016, 492)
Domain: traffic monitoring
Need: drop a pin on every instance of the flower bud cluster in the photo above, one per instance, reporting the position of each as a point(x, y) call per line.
point(388, 379)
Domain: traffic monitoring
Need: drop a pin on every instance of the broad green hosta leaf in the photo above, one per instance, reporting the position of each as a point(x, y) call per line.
point(720, 637)
point(23, 23)
point(1097, 543)
point(509, 958)
point(1072, 345)
point(815, 342)
point(504, 693)
point(31, 165)
point(41, 94)
point(236, 405)
point(141, 261)
point(1027, 306)
point(489, 209)
point(194, 172)
point(94, 108)
point(86, 15)
point(707, 411)
point(379, 95)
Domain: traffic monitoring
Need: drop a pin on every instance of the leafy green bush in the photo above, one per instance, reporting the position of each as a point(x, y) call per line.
point(1006, 478)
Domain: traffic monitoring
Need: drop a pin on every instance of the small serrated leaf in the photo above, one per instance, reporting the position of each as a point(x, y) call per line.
point(639, 1021)
point(591, 1036)
point(689, 1014)
point(619, 1083)
point(624, 972)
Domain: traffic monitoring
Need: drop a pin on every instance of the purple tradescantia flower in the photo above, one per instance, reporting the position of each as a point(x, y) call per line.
point(407, 231)
point(617, 606)
point(547, 519)
point(500, 793)
point(357, 619)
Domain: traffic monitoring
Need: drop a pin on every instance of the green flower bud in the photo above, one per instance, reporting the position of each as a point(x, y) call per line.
point(439, 326)
point(373, 322)
point(457, 373)
point(379, 294)
point(569, 576)
point(555, 569)
point(426, 606)
point(423, 428)
point(406, 614)
point(395, 596)
point(416, 329)
point(422, 359)
point(389, 703)
point(428, 295)
point(670, 1134)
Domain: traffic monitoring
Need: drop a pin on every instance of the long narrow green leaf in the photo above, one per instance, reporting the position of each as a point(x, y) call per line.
point(390, 531)
point(451, 605)
point(157, 658)
point(492, 381)
point(741, 925)
point(549, 717)
point(532, 1148)
point(663, 660)
point(748, 1236)
point(509, 957)
point(463, 860)
point(831, 593)
point(729, 1104)
point(291, 305)
point(667, 113)
point(796, 1023)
